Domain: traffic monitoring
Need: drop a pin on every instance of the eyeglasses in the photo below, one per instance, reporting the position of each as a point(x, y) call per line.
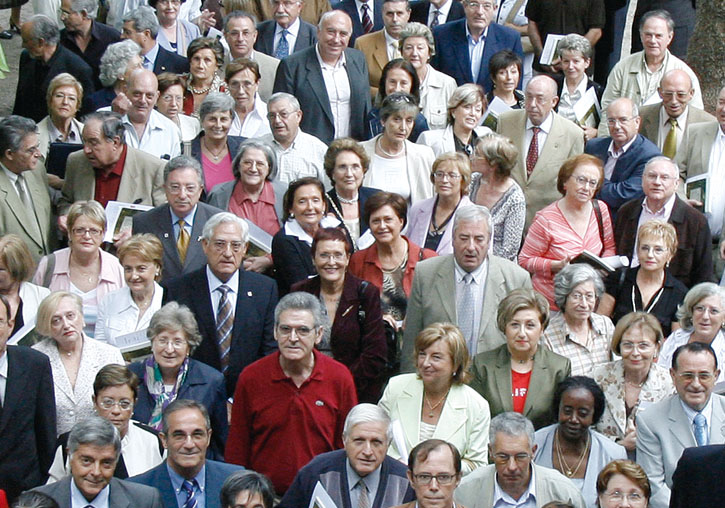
point(282, 115)
point(656, 250)
point(175, 188)
point(239, 33)
point(581, 297)
point(302, 332)
point(62, 96)
point(583, 181)
point(642, 347)
point(504, 458)
point(680, 95)
point(236, 85)
point(123, 404)
point(172, 98)
point(441, 478)
point(700, 309)
point(632, 497)
point(249, 164)
point(487, 6)
point(653, 177)
point(689, 377)
point(222, 246)
point(164, 342)
point(80, 232)
point(440, 175)
point(326, 256)
point(622, 121)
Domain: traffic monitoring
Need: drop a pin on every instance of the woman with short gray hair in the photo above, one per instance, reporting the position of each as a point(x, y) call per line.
point(170, 374)
point(117, 63)
point(577, 332)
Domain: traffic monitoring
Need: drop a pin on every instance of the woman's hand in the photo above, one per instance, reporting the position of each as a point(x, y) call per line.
point(205, 21)
point(120, 104)
point(629, 441)
point(258, 264)
point(557, 266)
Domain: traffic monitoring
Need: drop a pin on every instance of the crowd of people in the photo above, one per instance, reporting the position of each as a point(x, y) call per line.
point(369, 254)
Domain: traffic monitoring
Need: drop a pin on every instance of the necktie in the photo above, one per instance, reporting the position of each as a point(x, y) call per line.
point(435, 21)
point(466, 312)
point(533, 155)
point(364, 499)
point(224, 323)
point(182, 242)
point(670, 147)
point(27, 204)
point(188, 487)
point(367, 24)
point(282, 46)
point(700, 429)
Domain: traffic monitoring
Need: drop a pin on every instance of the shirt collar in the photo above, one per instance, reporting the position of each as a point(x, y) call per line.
point(177, 479)
point(340, 61)
point(691, 413)
point(214, 282)
point(371, 480)
point(618, 153)
point(4, 366)
point(74, 136)
point(665, 119)
point(152, 54)
point(293, 29)
point(580, 89)
point(266, 196)
point(544, 126)
point(389, 39)
point(477, 273)
point(79, 500)
point(189, 219)
point(665, 211)
point(499, 494)
point(469, 37)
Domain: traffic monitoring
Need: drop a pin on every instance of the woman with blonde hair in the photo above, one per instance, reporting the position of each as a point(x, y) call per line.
point(64, 99)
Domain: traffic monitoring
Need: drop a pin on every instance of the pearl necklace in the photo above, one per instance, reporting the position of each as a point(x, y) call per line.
point(199, 92)
point(348, 201)
point(388, 154)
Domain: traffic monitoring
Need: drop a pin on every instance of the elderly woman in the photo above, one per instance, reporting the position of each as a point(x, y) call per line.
point(75, 359)
point(494, 157)
point(171, 99)
point(117, 63)
point(571, 446)
point(569, 226)
point(206, 57)
point(418, 47)
point(356, 335)
point(649, 287)
point(633, 382)
point(435, 402)
point(214, 148)
point(575, 53)
point(114, 394)
point(577, 332)
point(390, 262)
point(345, 164)
point(622, 480)
point(170, 373)
point(397, 76)
point(520, 376)
point(175, 34)
point(247, 489)
point(250, 112)
point(702, 319)
point(16, 266)
point(396, 164)
point(429, 221)
point(64, 99)
point(465, 110)
point(129, 309)
point(505, 71)
point(83, 268)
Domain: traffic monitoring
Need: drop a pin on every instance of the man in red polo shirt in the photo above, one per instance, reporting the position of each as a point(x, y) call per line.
point(291, 405)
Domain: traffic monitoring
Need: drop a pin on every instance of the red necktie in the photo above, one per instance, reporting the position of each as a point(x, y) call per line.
point(367, 24)
point(533, 154)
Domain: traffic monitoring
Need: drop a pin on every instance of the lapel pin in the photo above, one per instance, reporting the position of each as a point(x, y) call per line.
point(166, 235)
point(198, 238)
point(319, 403)
point(249, 294)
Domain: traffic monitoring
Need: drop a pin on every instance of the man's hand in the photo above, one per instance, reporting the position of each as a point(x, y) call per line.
point(55, 181)
point(121, 238)
point(63, 223)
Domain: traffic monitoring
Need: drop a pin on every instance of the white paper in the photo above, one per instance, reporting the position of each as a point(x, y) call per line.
point(320, 498)
point(583, 107)
point(214, 33)
point(616, 261)
point(548, 54)
point(113, 212)
point(131, 341)
point(494, 110)
point(399, 440)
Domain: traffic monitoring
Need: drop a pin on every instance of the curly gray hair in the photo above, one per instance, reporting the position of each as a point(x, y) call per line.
point(115, 60)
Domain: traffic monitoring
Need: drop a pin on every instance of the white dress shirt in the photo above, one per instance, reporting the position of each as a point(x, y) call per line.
point(304, 157)
point(3, 375)
point(161, 137)
point(568, 100)
point(214, 283)
point(255, 123)
point(443, 11)
point(371, 11)
point(664, 130)
point(613, 156)
point(544, 130)
point(391, 45)
point(118, 314)
point(337, 84)
point(475, 51)
point(716, 170)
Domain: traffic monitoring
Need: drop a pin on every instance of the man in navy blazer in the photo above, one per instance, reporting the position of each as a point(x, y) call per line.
point(421, 12)
point(353, 8)
point(27, 413)
point(453, 55)
point(285, 17)
point(252, 297)
point(624, 154)
point(301, 76)
point(142, 27)
point(186, 458)
point(697, 481)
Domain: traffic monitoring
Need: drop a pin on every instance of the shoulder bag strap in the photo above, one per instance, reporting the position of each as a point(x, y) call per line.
point(600, 222)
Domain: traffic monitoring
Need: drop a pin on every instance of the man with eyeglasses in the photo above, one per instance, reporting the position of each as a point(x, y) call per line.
point(434, 471)
point(693, 260)
point(465, 46)
point(694, 416)
point(187, 478)
point(233, 307)
point(624, 154)
point(179, 222)
point(290, 406)
point(513, 479)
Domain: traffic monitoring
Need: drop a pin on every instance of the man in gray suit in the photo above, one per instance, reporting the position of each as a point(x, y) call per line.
point(463, 288)
point(693, 417)
point(94, 445)
point(179, 223)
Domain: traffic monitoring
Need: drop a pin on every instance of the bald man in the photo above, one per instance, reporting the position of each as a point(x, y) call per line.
point(147, 129)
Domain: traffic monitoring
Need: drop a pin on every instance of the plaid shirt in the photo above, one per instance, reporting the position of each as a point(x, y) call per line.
point(583, 356)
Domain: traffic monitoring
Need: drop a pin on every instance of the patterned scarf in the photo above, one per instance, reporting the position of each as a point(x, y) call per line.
point(155, 385)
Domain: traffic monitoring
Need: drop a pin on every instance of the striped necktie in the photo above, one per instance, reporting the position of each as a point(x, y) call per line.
point(224, 324)
point(188, 487)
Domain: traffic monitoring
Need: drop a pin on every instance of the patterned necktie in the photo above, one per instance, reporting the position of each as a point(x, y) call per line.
point(182, 242)
point(435, 21)
point(700, 429)
point(367, 24)
point(466, 312)
point(533, 155)
point(669, 149)
point(282, 46)
point(224, 323)
point(364, 499)
point(188, 487)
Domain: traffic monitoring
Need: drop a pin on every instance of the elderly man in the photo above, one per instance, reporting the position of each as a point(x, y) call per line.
point(298, 154)
point(93, 446)
point(286, 33)
point(187, 476)
point(638, 75)
point(142, 27)
point(233, 307)
point(434, 459)
point(42, 60)
point(290, 406)
point(240, 32)
point(624, 154)
point(382, 46)
point(107, 169)
point(464, 288)
point(666, 124)
point(24, 200)
point(85, 36)
point(694, 416)
point(330, 81)
point(465, 46)
point(513, 479)
point(544, 141)
point(693, 261)
point(361, 471)
point(179, 222)
point(147, 129)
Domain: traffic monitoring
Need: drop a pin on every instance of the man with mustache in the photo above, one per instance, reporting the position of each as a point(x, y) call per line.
point(287, 33)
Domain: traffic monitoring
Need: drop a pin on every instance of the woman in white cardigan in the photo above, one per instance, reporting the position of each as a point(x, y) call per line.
point(396, 164)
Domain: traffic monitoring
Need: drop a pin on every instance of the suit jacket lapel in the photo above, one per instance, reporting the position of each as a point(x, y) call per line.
point(195, 252)
point(538, 380)
point(706, 146)
point(409, 407)
point(552, 146)
point(317, 83)
point(679, 425)
point(16, 207)
point(501, 381)
point(460, 46)
point(456, 417)
point(494, 292)
point(39, 192)
point(130, 179)
point(518, 127)
point(380, 53)
point(717, 424)
point(14, 387)
point(117, 497)
point(446, 286)
point(167, 237)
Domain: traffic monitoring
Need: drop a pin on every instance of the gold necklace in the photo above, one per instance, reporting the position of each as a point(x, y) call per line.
point(432, 407)
point(567, 470)
point(215, 156)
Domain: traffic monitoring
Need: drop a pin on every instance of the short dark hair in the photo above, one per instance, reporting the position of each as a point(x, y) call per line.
point(332, 234)
point(207, 43)
point(289, 196)
point(111, 124)
point(502, 60)
point(246, 480)
point(399, 63)
point(693, 347)
point(587, 383)
point(567, 169)
point(381, 199)
point(13, 130)
point(179, 405)
point(421, 451)
point(116, 375)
